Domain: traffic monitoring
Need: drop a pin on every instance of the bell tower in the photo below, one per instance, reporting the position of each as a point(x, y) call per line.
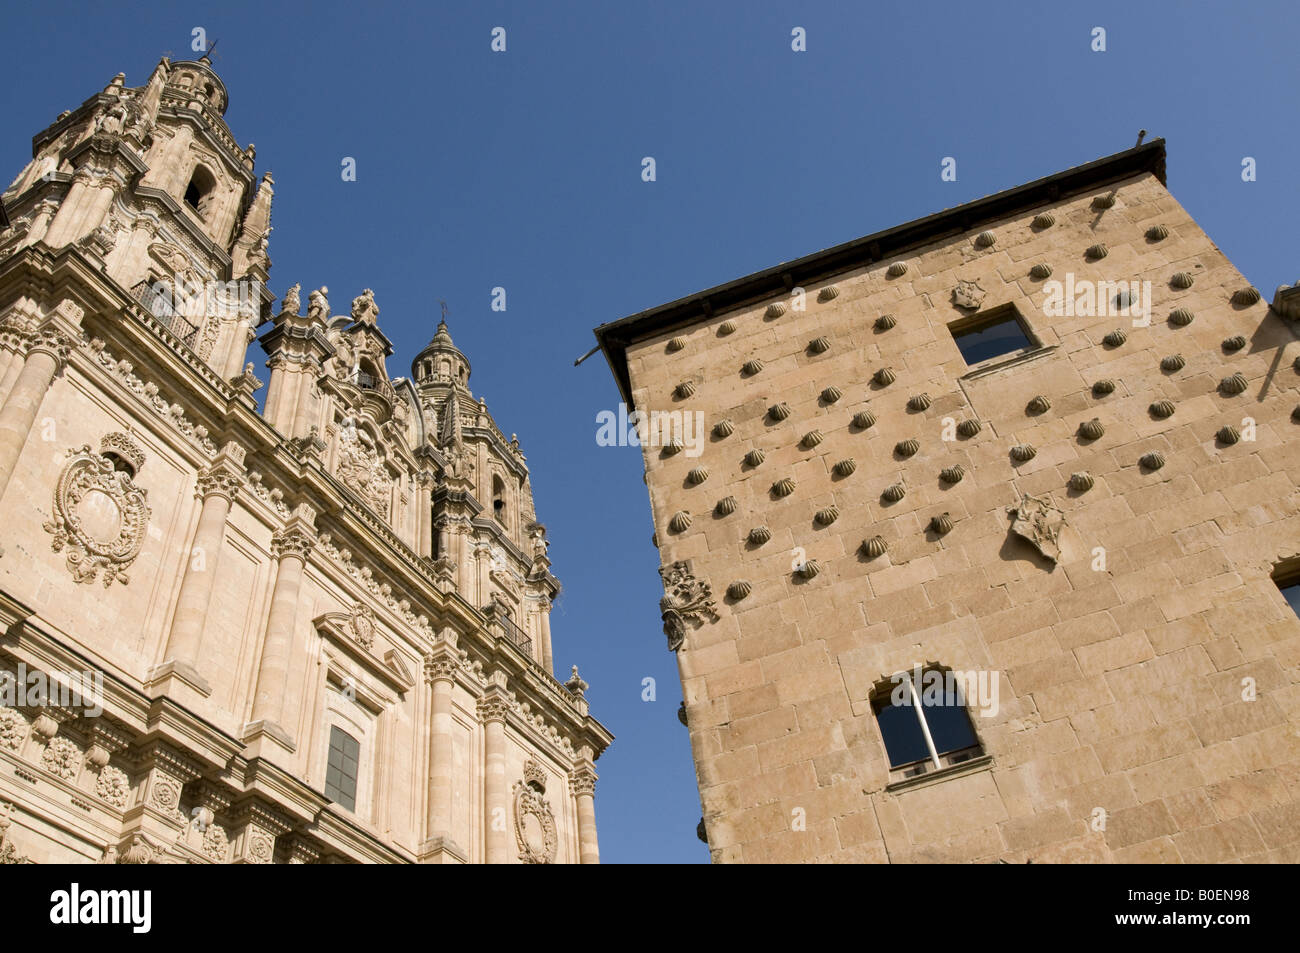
point(150, 182)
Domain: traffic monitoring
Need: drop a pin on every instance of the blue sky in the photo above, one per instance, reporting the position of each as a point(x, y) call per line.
point(522, 170)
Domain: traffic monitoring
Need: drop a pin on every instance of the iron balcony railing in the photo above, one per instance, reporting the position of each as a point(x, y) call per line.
point(157, 301)
point(512, 631)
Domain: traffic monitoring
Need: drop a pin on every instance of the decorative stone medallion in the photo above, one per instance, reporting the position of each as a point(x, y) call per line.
point(361, 625)
point(534, 822)
point(1039, 522)
point(968, 294)
point(100, 515)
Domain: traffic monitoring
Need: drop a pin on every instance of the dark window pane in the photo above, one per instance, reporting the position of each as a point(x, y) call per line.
point(341, 773)
point(991, 340)
point(950, 727)
point(1292, 594)
point(904, 741)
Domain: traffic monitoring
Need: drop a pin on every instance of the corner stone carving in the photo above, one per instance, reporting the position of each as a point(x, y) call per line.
point(534, 822)
point(686, 600)
point(100, 515)
point(1039, 522)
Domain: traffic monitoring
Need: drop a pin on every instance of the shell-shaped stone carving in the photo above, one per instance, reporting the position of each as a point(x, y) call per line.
point(725, 506)
point(1157, 233)
point(829, 293)
point(864, 419)
point(759, 535)
point(1082, 481)
point(1023, 451)
point(654, 538)
point(809, 568)
point(1181, 279)
point(885, 322)
point(1097, 252)
point(1172, 362)
point(739, 589)
point(905, 448)
point(811, 439)
point(827, 516)
point(680, 522)
point(1181, 317)
point(1234, 343)
point(1233, 384)
point(941, 524)
point(969, 427)
point(783, 487)
point(894, 492)
point(919, 402)
point(1103, 387)
point(727, 327)
point(775, 309)
point(875, 547)
point(751, 367)
point(724, 428)
point(985, 239)
point(1039, 405)
point(885, 376)
point(684, 389)
point(1153, 460)
point(779, 411)
point(1115, 338)
point(1228, 435)
point(1245, 296)
point(1092, 429)
point(952, 474)
point(1296, 364)
point(673, 446)
point(698, 475)
point(677, 343)
point(819, 345)
point(1041, 271)
point(1104, 201)
point(897, 269)
point(1043, 220)
point(1295, 414)
point(1162, 409)
point(755, 457)
point(844, 467)
point(831, 394)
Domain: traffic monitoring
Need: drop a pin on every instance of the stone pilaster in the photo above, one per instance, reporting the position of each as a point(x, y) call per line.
point(544, 634)
point(48, 348)
point(290, 547)
point(440, 668)
point(493, 705)
point(218, 486)
point(582, 784)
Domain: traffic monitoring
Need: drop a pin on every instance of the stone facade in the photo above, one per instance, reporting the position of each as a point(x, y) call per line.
point(360, 563)
point(1118, 579)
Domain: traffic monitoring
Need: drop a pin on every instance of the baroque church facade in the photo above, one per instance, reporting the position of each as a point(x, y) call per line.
point(1039, 453)
point(314, 633)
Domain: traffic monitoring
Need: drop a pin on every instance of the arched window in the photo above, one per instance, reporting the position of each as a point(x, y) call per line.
point(924, 721)
point(199, 191)
point(499, 499)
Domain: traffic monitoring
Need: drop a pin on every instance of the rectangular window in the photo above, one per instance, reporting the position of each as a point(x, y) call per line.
point(341, 775)
point(997, 333)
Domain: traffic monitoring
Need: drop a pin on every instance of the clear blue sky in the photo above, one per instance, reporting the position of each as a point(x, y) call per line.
point(522, 169)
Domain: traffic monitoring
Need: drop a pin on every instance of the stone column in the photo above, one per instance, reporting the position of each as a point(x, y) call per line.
point(47, 349)
point(492, 708)
point(424, 514)
point(582, 782)
point(218, 485)
point(440, 668)
point(544, 633)
point(290, 547)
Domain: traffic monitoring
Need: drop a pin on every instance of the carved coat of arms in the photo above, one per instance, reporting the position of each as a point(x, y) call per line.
point(534, 822)
point(686, 600)
point(968, 294)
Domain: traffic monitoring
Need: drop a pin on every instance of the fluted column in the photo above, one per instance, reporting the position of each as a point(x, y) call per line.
point(582, 782)
point(47, 348)
point(440, 667)
point(290, 547)
point(492, 708)
point(218, 485)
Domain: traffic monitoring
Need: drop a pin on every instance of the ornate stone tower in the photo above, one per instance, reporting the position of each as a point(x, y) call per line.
point(991, 550)
point(320, 632)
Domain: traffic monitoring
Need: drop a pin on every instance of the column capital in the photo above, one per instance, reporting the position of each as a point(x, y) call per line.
point(219, 480)
point(441, 665)
point(292, 541)
point(582, 780)
point(493, 705)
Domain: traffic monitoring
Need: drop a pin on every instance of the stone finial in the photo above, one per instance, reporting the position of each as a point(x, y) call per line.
point(575, 684)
